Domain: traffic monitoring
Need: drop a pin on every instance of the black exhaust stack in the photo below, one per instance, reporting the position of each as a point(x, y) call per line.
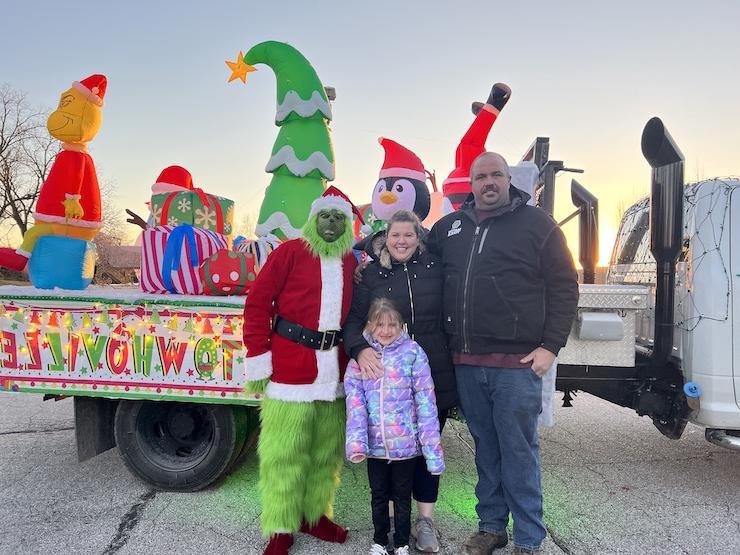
point(588, 229)
point(666, 227)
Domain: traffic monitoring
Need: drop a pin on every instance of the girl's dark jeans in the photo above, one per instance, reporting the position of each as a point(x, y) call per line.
point(391, 481)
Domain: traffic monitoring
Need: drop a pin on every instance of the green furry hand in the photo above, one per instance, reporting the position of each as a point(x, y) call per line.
point(256, 386)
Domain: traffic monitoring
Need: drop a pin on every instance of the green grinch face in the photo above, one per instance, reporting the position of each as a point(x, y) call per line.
point(330, 224)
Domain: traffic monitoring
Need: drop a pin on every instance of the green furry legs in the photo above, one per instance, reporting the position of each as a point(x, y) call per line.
point(283, 452)
point(327, 455)
point(300, 451)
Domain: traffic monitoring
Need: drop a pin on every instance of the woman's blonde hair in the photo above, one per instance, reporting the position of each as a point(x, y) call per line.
point(379, 308)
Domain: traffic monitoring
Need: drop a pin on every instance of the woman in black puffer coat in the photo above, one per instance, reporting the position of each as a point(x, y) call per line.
point(412, 279)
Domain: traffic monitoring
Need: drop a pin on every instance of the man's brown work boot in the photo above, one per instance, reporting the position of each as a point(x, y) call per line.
point(483, 543)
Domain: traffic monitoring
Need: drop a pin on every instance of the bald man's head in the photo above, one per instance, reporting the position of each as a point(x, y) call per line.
point(490, 179)
point(487, 154)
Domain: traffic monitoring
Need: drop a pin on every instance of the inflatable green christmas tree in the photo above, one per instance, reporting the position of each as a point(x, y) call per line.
point(302, 159)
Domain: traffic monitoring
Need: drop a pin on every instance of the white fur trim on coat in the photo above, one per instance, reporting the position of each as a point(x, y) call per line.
point(330, 315)
point(259, 367)
point(332, 289)
point(301, 393)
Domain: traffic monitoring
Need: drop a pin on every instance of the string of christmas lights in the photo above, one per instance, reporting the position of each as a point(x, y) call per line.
point(108, 337)
point(705, 223)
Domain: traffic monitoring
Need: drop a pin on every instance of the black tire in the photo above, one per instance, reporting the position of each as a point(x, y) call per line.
point(251, 435)
point(241, 432)
point(178, 446)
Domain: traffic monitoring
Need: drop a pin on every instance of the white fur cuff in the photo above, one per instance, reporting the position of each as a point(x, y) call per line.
point(301, 393)
point(259, 367)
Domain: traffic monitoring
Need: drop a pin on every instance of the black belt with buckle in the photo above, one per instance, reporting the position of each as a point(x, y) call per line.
point(319, 340)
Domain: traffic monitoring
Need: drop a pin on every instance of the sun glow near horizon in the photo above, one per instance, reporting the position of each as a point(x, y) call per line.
point(590, 91)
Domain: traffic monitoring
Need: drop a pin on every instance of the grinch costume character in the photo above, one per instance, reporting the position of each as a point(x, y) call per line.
point(292, 331)
point(69, 201)
point(456, 187)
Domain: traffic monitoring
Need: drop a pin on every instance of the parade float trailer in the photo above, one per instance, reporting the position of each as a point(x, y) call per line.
point(160, 376)
point(658, 337)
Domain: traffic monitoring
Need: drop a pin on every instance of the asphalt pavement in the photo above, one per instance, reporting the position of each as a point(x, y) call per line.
point(612, 484)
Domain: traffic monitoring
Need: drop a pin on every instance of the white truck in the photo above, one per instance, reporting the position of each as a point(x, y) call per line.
point(670, 310)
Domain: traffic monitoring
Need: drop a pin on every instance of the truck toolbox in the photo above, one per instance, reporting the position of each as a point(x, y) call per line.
point(600, 307)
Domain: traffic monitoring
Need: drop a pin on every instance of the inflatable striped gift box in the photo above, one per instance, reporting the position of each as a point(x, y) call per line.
point(259, 249)
point(171, 257)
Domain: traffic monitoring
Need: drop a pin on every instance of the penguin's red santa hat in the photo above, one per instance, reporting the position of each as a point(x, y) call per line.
point(400, 162)
point(334, 199)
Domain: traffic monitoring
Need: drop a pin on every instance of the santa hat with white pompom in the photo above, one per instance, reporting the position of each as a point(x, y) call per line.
point(335, 199)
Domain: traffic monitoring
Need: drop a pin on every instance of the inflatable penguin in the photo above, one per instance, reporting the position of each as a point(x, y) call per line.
point(401, 185)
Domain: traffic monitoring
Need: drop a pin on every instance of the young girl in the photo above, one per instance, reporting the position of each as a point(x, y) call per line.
point(390, 421)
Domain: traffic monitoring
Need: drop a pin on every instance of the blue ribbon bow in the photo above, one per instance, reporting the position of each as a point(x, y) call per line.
point(173, 251)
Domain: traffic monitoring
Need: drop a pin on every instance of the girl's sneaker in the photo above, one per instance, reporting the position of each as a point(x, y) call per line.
point(402, 550)
point(377, 549)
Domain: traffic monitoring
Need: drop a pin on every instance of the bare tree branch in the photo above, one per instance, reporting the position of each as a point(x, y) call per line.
point(247, 226)
point(114, 224)
point(26, 155)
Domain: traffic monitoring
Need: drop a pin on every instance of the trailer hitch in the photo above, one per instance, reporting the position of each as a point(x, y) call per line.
point(567, 398)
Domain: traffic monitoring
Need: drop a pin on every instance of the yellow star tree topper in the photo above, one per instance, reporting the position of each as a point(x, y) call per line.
point(239, 68)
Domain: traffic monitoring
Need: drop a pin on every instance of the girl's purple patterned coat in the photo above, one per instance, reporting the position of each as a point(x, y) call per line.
point(394, 417)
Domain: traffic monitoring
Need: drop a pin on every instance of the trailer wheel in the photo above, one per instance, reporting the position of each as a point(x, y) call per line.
point(178, 446)
point(241, 433)
point(251, 435)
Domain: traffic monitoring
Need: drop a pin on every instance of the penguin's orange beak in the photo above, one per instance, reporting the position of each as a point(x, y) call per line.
point(386, 197)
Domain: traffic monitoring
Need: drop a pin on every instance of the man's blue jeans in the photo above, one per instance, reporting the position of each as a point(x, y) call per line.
point(501, 406)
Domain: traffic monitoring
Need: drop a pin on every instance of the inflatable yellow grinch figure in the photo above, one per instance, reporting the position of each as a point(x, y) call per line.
point(69, 200)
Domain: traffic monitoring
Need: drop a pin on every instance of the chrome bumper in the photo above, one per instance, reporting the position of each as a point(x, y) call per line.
point(721, 438)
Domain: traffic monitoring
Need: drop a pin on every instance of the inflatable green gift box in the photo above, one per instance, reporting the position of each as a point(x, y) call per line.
point(194, 207)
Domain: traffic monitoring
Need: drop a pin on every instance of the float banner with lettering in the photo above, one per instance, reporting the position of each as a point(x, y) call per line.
point(155, 352)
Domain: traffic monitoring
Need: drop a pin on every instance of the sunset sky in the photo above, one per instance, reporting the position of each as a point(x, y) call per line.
point(586, 74)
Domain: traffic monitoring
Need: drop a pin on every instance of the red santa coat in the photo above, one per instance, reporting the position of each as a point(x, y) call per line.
point(71, 176)
point(313, 292)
